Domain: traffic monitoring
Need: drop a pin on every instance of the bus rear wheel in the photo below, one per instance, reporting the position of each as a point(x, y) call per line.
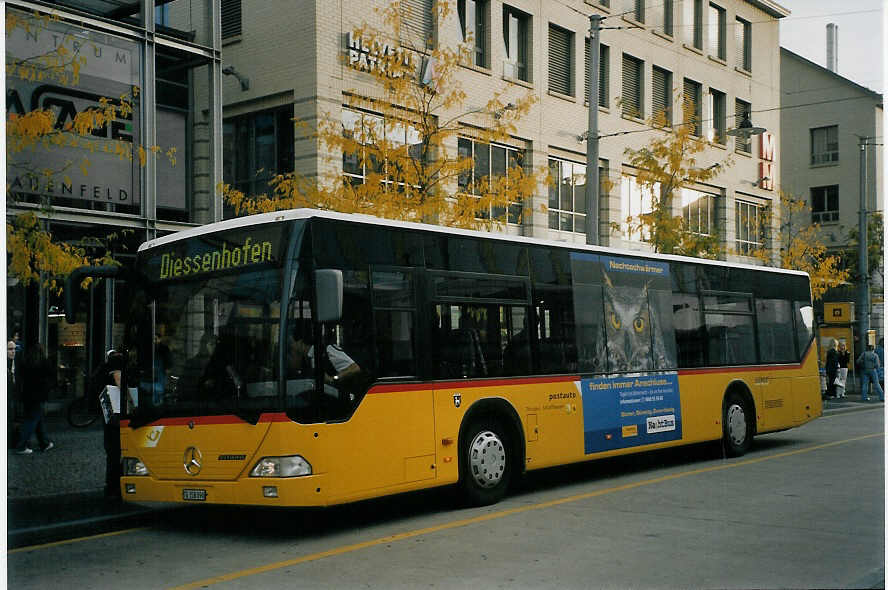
point(485, 468)
point(737, 426)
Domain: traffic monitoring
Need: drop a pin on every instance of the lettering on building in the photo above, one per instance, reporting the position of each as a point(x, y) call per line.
point(368, 54)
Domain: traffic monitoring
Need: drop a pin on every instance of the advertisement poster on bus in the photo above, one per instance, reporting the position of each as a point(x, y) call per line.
point(630, 410)
point(631, 407)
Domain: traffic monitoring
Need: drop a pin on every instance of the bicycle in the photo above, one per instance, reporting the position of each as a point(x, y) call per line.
point(83, 411)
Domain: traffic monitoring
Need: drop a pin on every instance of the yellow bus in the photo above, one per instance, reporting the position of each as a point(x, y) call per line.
point(447, 357)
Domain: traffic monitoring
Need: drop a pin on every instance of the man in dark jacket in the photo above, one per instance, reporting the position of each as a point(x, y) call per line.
point(37, 378)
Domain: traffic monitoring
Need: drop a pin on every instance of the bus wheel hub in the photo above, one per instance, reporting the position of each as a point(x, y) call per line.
point(487, 459)
point(737, 424)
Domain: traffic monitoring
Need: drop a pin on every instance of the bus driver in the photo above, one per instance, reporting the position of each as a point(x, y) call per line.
point(300, 358)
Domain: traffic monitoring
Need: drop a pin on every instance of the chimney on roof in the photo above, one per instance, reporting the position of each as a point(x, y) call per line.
point(832, 47)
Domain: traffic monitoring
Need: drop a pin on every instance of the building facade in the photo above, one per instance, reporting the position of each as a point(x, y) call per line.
point(832, 142)
point(722, 54)
point(143, 174)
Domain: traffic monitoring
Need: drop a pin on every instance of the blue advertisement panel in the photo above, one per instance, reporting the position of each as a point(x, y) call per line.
point(629, 411)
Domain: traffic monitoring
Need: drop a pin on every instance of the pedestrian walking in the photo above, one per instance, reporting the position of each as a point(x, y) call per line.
point(880, 352)
point(37, 378)
point(832, 367)
point(869, 365)
point(842, 373)
point(11, 393)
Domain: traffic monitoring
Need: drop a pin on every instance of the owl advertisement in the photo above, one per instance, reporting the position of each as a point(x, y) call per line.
point(637, 402)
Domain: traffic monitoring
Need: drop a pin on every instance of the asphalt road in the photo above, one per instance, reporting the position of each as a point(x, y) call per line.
point(804, 509)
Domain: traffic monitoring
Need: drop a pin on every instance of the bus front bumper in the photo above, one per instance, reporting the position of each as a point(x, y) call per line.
point(257, 491)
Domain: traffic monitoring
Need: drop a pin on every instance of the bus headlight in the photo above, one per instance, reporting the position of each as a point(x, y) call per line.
point(292, 466)
point(133, 466)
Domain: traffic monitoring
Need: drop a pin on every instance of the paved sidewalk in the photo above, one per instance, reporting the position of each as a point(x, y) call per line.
point(59, 494)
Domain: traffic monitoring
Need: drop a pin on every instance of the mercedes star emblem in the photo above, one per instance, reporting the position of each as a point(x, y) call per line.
point(192, 460)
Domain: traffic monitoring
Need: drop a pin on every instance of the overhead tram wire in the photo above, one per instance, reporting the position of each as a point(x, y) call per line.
point(668, 127)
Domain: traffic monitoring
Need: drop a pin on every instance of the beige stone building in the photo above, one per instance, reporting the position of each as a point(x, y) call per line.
point(723, 53)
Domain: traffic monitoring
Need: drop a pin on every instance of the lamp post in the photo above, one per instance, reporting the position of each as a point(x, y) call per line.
point(592, 133)
point(862, 253)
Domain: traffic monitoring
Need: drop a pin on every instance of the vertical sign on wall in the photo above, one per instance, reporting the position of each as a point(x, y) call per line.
point(766, 166)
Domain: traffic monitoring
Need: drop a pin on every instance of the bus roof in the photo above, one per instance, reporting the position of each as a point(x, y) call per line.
point(305, 213)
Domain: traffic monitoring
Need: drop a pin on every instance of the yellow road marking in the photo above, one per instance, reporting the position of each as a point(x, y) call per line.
point(76, 540)
point(503, 513)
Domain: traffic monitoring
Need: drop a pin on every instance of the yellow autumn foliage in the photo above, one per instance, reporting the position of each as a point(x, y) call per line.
point(418, 180)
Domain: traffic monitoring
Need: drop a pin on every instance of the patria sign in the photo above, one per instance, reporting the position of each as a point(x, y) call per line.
point(368, 54)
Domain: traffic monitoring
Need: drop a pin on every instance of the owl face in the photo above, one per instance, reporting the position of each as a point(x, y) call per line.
point(628, 328)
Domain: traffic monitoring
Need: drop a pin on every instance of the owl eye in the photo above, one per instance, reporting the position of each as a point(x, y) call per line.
point(638, 324)
point(615, 322)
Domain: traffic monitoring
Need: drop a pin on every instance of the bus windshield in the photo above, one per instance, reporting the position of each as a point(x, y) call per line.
point(204, 338)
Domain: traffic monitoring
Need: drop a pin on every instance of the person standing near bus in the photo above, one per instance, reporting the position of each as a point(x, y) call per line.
point(869, 364)
point(832, 368)
point(111, 371)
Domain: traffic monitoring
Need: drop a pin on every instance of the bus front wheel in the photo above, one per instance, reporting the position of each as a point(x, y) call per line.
point(738, 426)
point(485, 468)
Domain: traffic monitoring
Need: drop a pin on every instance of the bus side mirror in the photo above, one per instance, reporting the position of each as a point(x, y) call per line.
point(328, 294)
point(72, 285)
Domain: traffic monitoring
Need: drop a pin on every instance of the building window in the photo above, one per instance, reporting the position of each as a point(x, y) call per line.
point(693, 106)
point(366, 128)
point(635, 200)
point(661, 96)
point(473, 23)
point(749, 221)
point(603, 74)
point(635, 9)
point(661, 16)
point(493, 163)
point(744, 45)
point(516, 40)
point(698, 210)
point(741, 110)
point(825, 204)
point(256, 147)
point(417, 23)
point(825, 145)
point(231, 18)
point(717, 31)
point(633, 80)
point(717, 116)
point(567, 195)
point(560, 60)
point(693, 23)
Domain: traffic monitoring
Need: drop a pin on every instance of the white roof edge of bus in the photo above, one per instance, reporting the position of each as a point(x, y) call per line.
point(294, 214)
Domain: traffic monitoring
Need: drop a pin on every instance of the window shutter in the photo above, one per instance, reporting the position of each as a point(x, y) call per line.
point(632, 87)
point(231, 18)
point(693, 99)
point(740, 32)
point(660, 94)
point(417, 22)
point(743, 144)
point(603, 70)
point(559, 60)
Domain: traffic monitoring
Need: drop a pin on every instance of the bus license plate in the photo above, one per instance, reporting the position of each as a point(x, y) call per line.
point(199, 495)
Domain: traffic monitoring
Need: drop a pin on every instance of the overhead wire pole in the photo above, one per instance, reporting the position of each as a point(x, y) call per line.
point(862, 253)
point(592, 180)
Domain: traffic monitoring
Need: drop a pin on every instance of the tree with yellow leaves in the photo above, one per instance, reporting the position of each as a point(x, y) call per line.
point(801, 247)
point(664, 166)
point(45, 145)
point(407, 161)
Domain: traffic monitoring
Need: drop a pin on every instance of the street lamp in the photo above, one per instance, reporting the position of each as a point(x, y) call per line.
point(746, 129)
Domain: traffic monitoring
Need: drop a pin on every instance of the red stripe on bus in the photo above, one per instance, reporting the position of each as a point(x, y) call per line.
point(269, 417)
